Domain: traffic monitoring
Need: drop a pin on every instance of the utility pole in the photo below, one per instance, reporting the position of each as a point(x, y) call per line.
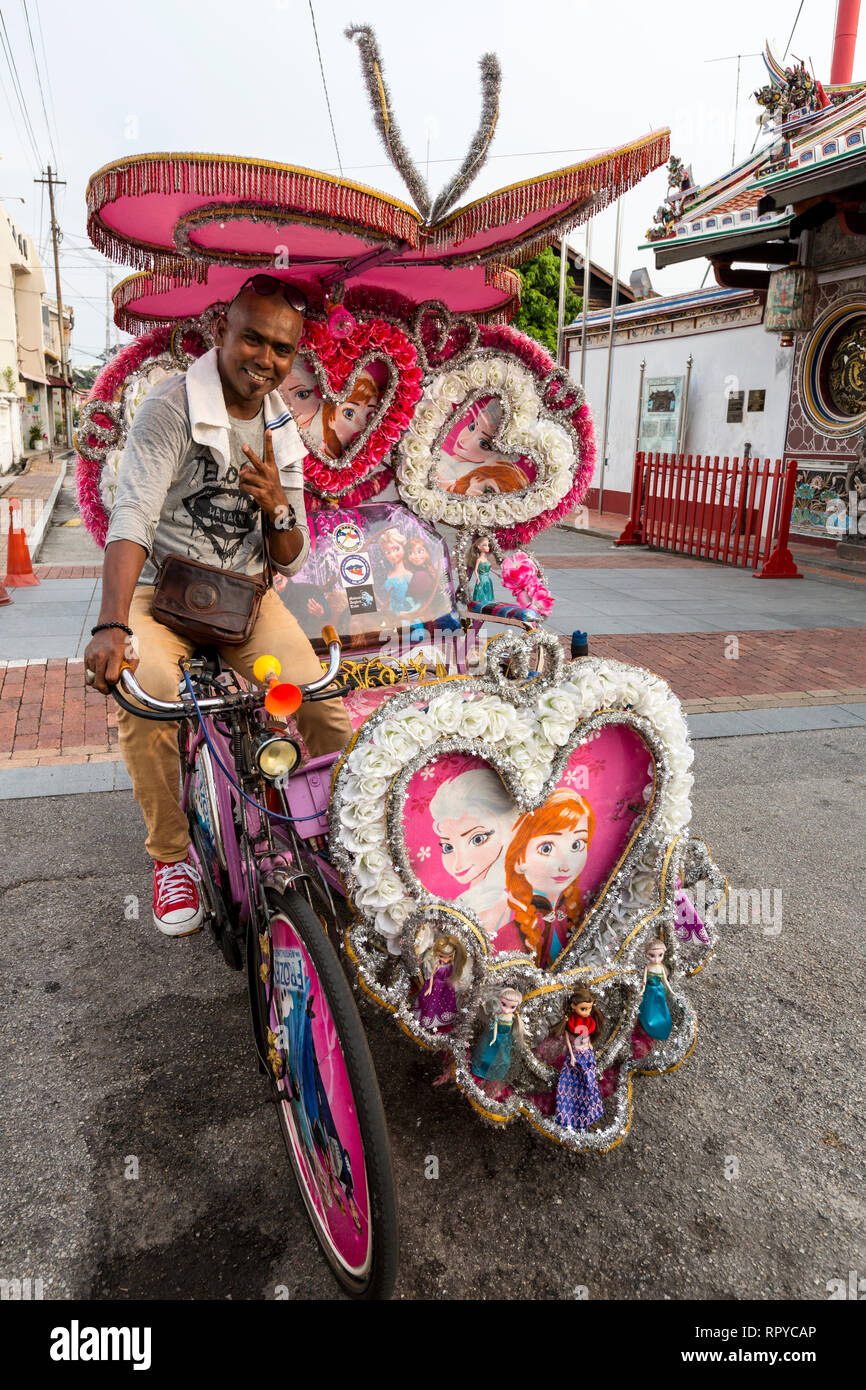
point(560, 313)
point(56, 238)
point(107, 312)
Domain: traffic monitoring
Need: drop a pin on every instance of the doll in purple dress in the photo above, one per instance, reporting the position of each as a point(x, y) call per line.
point(435, 1003)
point(578, 1099)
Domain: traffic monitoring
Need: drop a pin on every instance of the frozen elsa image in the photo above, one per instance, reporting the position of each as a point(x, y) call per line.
point(301, 394)
point(474, 816)
point(470, 443)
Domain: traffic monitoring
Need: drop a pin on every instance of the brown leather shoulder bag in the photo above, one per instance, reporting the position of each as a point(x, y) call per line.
point(209, 605)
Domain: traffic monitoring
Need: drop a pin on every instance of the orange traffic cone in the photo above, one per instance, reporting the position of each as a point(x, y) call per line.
point(4, 597)
point(19, 569)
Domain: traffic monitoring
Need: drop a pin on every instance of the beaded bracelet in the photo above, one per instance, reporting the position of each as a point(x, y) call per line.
point(103, 627)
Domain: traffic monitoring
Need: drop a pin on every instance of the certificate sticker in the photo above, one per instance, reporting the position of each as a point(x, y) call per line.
point(348, 537)
point(355, 569)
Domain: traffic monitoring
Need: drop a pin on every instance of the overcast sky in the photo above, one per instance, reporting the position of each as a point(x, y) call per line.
point(242, 77)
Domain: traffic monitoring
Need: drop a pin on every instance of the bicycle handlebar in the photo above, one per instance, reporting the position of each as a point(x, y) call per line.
point(211, 704)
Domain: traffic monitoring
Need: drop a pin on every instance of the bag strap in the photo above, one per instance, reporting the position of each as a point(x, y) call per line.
point(267, 563)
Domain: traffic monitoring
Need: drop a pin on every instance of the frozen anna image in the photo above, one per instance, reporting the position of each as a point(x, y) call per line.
point(543, 863)
point(473, 816)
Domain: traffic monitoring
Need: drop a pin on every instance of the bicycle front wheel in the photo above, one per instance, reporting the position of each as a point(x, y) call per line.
point(310, 1034)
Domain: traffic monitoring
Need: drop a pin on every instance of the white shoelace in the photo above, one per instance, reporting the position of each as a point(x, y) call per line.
point(171, 882)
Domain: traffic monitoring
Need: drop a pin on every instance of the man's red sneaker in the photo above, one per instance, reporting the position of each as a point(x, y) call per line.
point(177, 909)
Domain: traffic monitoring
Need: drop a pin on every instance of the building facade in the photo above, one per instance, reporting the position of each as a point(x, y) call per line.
point(32, 392)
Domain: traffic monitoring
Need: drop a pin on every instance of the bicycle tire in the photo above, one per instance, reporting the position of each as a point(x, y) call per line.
point(337, 1140)
point(222, 923)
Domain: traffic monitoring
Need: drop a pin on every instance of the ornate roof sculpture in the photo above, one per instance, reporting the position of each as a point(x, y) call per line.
point(196, 225)
point(813, 132)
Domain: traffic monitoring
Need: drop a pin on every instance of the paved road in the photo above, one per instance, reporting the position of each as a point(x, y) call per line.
point(124, 1044)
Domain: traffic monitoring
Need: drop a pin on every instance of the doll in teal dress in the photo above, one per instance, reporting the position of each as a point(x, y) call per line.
point(483, 590)
point(654, 1013)
point(491, 1057)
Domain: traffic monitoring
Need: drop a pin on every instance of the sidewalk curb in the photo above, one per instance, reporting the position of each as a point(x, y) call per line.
point(40, 528)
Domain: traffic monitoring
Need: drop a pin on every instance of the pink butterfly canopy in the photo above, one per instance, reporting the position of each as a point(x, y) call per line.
point(195, 226)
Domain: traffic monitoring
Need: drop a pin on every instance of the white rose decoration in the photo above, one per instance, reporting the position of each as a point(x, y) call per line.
point(446, 713)
point(384, 893)
point(370, 865)
point(396, 740)
point(496, 372)
point(476, 375)
point(533, 780)
point(452, 386)
point(556, 731)
point(474, 721)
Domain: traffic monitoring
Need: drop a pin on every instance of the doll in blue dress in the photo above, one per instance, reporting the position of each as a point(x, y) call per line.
point(654, 1013)
point(483, 590)
point(492, 1054)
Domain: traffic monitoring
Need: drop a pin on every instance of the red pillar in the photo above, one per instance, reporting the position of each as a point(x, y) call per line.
point(844, 42)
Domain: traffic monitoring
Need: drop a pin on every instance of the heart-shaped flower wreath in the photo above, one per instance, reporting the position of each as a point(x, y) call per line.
point(525, 726)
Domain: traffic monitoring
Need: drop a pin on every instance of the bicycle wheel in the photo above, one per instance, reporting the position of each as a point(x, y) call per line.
point(308, 1029)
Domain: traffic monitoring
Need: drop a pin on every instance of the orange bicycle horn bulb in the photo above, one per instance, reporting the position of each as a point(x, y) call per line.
point(282, 698)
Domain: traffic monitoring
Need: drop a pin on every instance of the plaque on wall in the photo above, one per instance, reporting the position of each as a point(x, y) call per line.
point(661, 409)
point(756, 400)
point(736, 401)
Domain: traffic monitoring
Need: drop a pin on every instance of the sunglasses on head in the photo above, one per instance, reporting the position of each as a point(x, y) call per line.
point(270, 284)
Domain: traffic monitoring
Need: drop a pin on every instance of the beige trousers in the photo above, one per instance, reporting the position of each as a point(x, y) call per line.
point(150, 749)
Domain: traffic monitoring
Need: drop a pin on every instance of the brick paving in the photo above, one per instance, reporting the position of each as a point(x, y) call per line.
point(808, 666)
point(47, 715)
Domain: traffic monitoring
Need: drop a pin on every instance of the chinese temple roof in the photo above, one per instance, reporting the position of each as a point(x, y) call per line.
point(817, 144)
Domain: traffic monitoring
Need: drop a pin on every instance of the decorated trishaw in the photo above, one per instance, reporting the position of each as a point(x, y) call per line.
point(505, 839)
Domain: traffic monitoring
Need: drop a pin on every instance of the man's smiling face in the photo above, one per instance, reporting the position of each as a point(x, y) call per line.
point(257, 342)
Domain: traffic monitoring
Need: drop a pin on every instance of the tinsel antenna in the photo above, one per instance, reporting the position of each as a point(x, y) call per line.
point(387, 127)
point(491, 84)
point(380, 100)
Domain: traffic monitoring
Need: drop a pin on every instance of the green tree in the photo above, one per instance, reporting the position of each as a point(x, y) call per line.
point(540, 299)
point(84, 377)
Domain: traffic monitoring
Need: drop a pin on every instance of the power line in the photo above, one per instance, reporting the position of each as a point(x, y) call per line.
point(39, 80)
point(791, 35)
point(17, 88)
point(456, 159)
point(325, 85)
point(47, 69)
point(15, 122)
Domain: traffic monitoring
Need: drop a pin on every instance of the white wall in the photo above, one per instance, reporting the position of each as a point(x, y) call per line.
point(727, 359)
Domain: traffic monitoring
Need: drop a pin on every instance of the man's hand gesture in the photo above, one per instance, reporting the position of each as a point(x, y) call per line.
point(261, 481)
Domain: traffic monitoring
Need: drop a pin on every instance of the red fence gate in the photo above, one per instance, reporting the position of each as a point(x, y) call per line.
point(725, 509)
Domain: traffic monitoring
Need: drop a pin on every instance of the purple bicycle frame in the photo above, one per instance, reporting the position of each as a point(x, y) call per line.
point(268, 862)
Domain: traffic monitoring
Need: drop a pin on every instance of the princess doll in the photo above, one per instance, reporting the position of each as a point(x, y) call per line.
point(473, 816)
point(393, 546)
point(543, 864)
point(578, 1099)
point(491, 1056)
point(654, 1013)
point(435, 1003)
point(483, 590)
